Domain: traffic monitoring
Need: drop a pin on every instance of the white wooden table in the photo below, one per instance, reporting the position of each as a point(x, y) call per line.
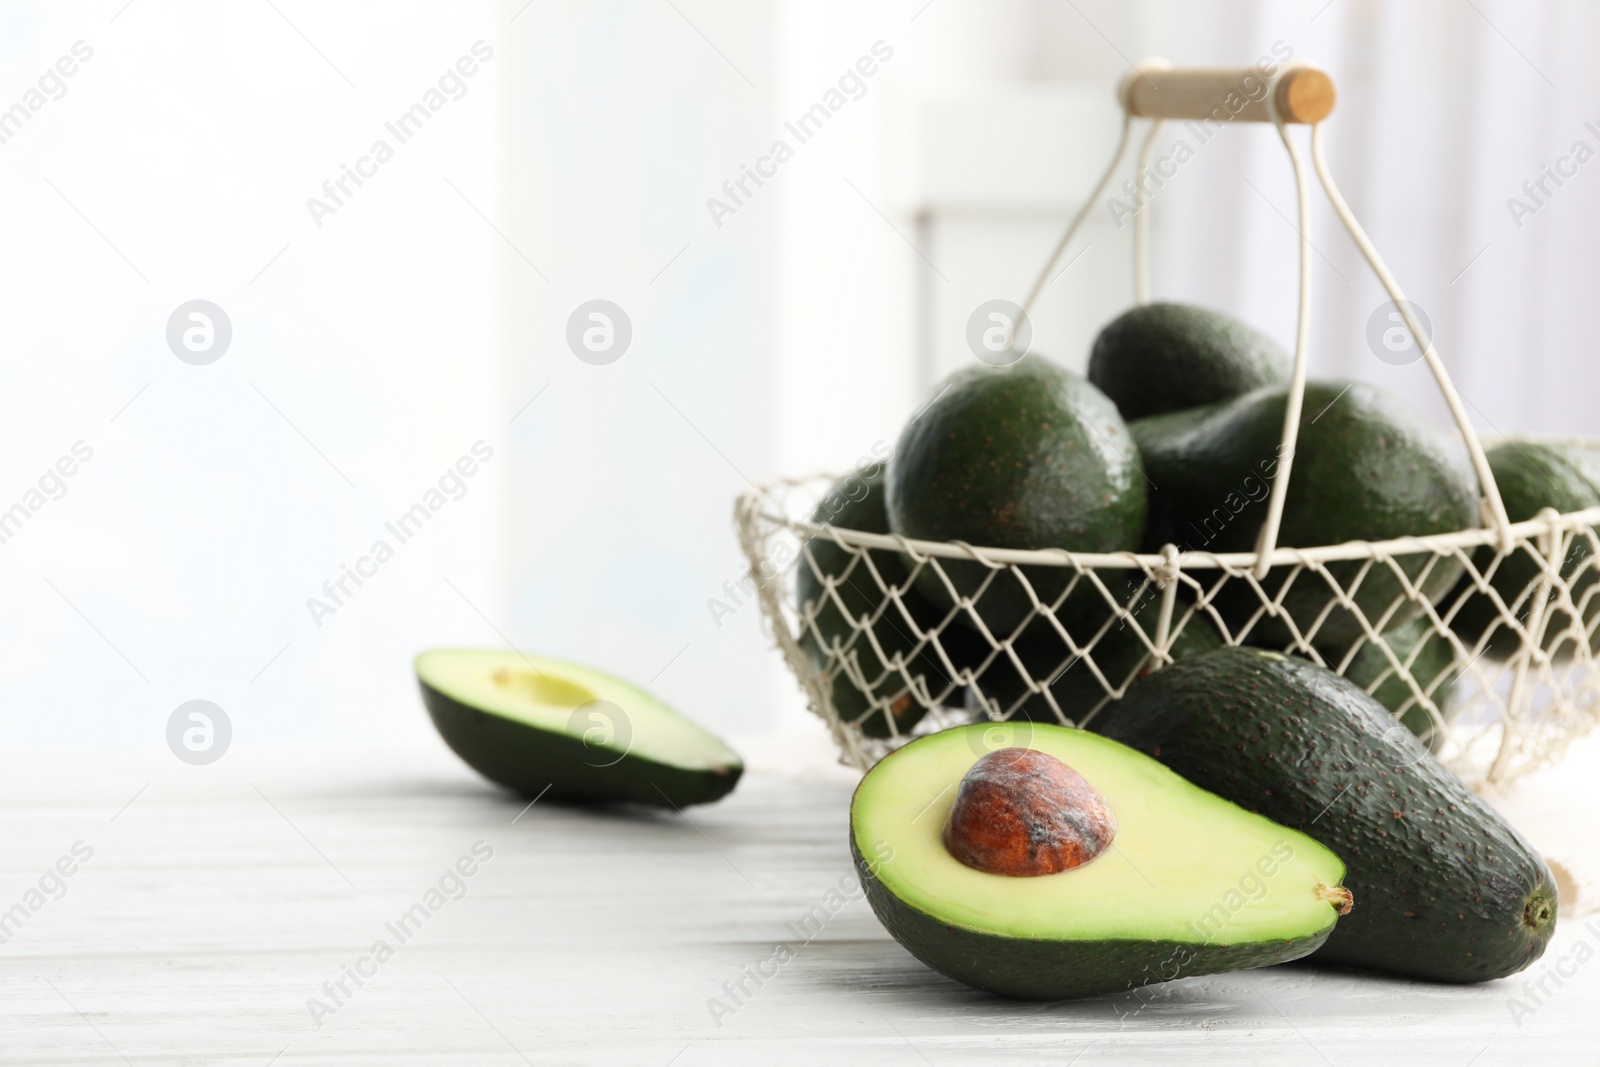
point(219, 900)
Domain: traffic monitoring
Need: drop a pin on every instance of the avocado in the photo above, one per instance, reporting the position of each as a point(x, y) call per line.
point(1367, 468)
point(890, 658)
point(1120, 653)
point(1433, 668)
point(1531, 477)
point(1446, 889)
point(1027, 456)
point(535, 725)
point(1165, 357)
point(1189, 884)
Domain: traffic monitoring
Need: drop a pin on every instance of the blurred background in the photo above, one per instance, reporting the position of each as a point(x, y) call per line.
point(399, 213)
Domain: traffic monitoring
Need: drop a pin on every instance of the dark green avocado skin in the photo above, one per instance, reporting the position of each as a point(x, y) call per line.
point(1167, 357)
point(1367, 468)
point(1530, 477)
point(1026, 456)
point(856, 502)
point(1118, 653)
point(527, 759)
point(1061, 970)
point(1444, 888)
point(1394, 692)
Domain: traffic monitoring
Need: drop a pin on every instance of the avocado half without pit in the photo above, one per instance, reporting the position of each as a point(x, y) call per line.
point(1045, 862)
point(534, 724)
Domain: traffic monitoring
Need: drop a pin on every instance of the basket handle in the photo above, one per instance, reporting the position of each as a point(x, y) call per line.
point(1154, 90)
point(1494, 505)
point(1296, 93)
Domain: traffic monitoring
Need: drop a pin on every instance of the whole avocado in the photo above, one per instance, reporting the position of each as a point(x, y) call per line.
point(1532, 476)
point(830, 636)
point(1165, 357)
point(1027, 456)
point(1445, 888)
point(1366, 468)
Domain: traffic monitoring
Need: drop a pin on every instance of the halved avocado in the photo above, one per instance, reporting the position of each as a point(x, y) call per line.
point(1190, 884)
point(531, 723)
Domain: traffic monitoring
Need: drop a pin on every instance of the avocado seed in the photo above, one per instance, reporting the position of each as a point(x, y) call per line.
point(1021, 812)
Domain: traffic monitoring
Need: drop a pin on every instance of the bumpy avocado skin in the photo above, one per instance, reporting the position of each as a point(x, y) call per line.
point(1394, 692)
point(1166, 357)
point(1531, 477)
point(1118, 653)
point(856, 502)
point(1444, 888)
point(527, 759)
point(1367, 468)
point(1062, 970)
point(1025, 456)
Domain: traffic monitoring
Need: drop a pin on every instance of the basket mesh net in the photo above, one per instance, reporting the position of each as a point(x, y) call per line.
point(1495, 682)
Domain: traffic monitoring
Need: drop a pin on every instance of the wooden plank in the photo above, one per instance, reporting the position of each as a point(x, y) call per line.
point(223, 898)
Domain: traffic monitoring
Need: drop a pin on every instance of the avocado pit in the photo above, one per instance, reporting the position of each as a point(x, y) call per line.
point(1023, 813)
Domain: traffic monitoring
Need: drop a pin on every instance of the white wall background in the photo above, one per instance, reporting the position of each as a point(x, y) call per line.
point(363, 362)
point(369, 353)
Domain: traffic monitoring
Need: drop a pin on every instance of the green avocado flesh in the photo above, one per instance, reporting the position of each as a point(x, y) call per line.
point(900, 669)
point(1165, 357)
point(1445, 889)
point(1191, 884)
point(1027, 456)
point(1366, 468)
point(531, 723)
point(1533, 476)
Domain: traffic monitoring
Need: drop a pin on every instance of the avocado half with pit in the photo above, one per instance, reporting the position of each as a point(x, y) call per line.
point(535, 725)
point(1045, 862)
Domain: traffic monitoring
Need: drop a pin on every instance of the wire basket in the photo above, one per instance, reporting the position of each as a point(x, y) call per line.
point(1509, 696)
point(1505, 714)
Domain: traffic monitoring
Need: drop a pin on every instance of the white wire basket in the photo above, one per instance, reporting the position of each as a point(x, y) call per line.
point(1517, 686)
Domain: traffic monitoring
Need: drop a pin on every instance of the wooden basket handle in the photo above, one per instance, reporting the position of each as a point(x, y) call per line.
point(1304, 94)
